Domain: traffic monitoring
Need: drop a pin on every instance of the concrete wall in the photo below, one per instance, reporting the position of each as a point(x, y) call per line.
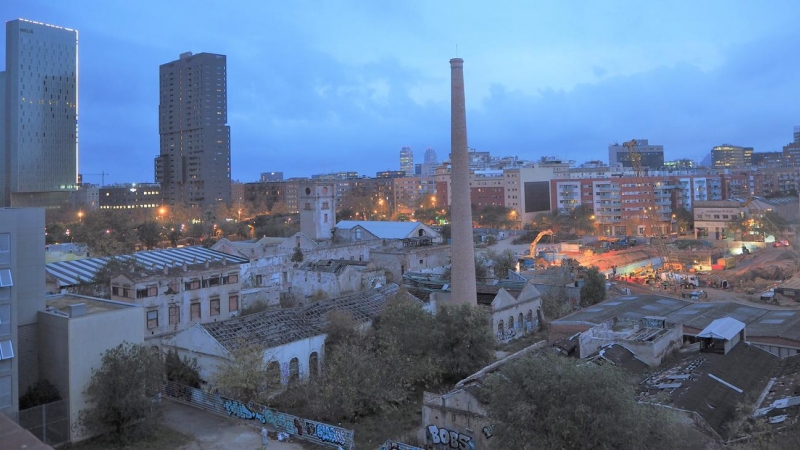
point(413, 259)
point(457, 416)
point(70, 348)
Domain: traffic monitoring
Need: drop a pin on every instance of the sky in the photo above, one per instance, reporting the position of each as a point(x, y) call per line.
point(324, 86)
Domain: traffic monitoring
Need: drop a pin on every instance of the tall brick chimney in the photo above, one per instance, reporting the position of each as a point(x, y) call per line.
point(462, 251)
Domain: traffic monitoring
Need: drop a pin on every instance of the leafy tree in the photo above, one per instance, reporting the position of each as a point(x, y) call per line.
point(555, 303)
point(557, 402)
point(359, 379)
point(174, 236)
point(182, 370)
point(107, 232)
point(346, 214)
point(683, 218)
point(244, 376)
point(297, 256)
point(465, 341)
point(594, 287)
point(120, 403)
point(502, 262)
point(412, 331)
point(149, 233)
point(280, 209)
point(39, 394)
point(426, 215)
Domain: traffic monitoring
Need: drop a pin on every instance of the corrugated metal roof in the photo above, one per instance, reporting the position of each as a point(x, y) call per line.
point(382, 229)
point(726, 328)
point(79, 271)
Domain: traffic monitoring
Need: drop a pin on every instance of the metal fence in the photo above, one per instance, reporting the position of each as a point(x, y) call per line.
point(308, 430)
point(48, 422)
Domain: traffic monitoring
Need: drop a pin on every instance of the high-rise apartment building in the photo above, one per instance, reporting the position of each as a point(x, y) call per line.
point(194, 167)
point(407, 161)
point(39, 115)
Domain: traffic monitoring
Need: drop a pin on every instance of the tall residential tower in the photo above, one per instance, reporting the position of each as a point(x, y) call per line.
point(407, 161)
point(194, 167)
point(39, 115)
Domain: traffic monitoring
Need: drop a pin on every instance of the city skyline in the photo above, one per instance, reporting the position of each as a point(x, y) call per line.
point(322, 88)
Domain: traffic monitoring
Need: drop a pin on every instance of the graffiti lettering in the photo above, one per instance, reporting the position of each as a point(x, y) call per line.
point(328, 433)
point(238, 409)
point(449, 438)
point(487, 431)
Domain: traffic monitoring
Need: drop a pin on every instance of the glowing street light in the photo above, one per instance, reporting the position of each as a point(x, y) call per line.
point(80, 217)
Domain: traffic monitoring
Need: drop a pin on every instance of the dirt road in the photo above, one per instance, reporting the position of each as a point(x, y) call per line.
point(213, 432)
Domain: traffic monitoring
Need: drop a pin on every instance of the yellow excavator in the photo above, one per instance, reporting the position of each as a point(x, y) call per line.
point(531, 256)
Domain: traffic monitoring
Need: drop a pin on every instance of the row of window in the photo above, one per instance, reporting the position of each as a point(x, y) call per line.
point(195, 311)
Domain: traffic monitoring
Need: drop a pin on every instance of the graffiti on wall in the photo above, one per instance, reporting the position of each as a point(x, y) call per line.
point(445, 438)
point(392, 445)
point(296, 426)
point(488, 431)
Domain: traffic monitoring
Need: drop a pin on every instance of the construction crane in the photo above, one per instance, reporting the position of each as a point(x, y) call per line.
point(102, 176)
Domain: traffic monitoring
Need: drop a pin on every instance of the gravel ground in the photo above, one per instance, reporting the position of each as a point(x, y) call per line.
point(213, 432)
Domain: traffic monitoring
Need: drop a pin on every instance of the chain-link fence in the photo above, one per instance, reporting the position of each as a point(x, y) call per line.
point(48, 422)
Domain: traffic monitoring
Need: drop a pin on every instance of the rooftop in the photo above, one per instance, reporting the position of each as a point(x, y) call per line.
point(63, 302)
point(69, 273)
point(277, 327)
point(382, 229)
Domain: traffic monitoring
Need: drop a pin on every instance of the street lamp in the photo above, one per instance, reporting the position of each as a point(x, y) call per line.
point(80, 217)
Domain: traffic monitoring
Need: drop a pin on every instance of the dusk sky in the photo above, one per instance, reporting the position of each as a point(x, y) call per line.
point(323, 86)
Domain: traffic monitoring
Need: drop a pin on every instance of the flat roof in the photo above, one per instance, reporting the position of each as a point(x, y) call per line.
point(62, 302)
point(759, 322)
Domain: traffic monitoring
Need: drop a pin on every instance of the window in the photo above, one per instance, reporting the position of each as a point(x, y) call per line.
point(214, 306)
point(6, 350)
point(152, 291)
point(174, 314)
point(213, 281)
point(325, 219)
point(233, 303)
point(191, 285)
point(324, 205)
point(195, 311)
point(152, 319)
point(141, 293)
point(233, 278)
point(5, 319)
point(5, 278)
point(115, 291)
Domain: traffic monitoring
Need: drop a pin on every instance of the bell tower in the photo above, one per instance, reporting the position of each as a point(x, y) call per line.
point(317, 210)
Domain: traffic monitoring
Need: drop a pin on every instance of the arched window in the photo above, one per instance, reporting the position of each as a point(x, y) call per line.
point(313, 365)
point(294, 370)
point(421, 232)
point(529, 321)
point(520, 324)
point(273, 375)
point(501, 331)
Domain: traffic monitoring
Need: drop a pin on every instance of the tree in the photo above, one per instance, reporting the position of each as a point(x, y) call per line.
point(502, 262)
point(772, 223)
point(561, 403)
point(465, 342)
point(39, 394)
point(182, 370)
point(120, 403)
point(107, 232)
point(297, 255)
point(149, 234)
point(684, 219)
point(412, 330)
point(244, 376)
point(594, 287)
